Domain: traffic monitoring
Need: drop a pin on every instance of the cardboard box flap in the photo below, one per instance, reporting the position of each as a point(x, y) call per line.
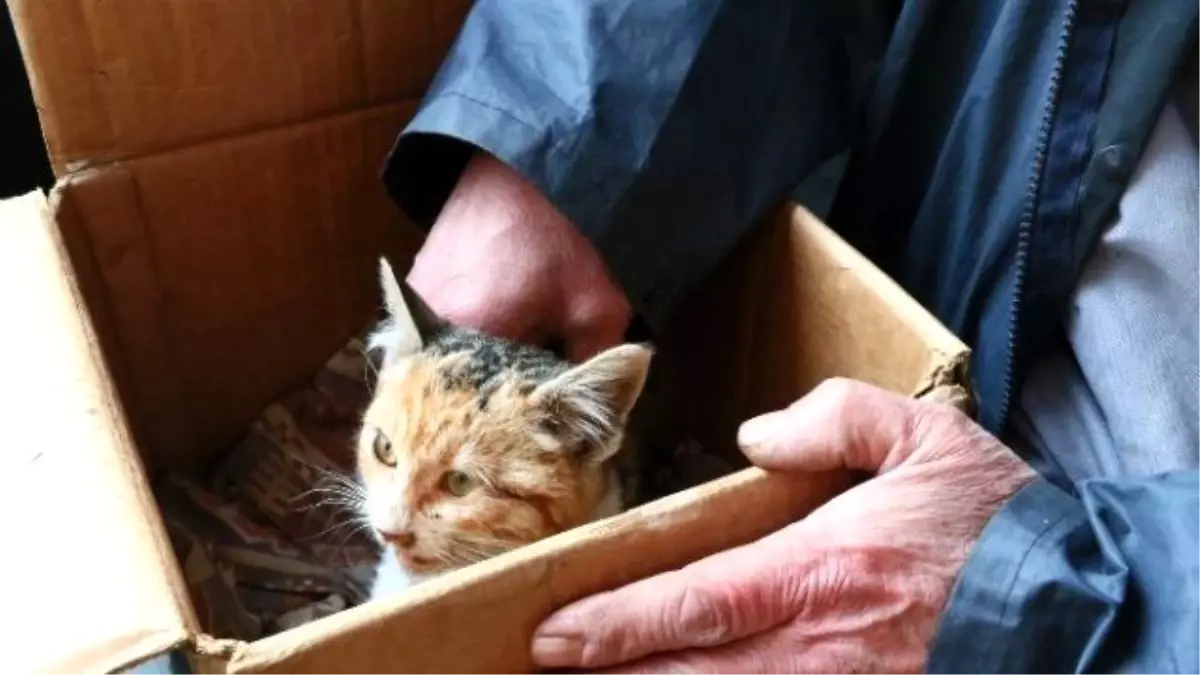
point(197, 263)
point(117, 80)
point(428, 631)
point(97, 587)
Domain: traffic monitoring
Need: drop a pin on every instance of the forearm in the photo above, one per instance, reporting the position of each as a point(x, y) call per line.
point(1100, 582)
point(659, 130)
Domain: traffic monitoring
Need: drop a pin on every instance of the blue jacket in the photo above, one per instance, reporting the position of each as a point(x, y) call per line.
point(985, 144)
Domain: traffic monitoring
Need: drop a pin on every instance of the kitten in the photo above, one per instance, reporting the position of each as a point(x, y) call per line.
point(473, 445)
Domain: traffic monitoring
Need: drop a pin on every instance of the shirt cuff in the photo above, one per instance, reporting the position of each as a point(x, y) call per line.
point(1023, 602)
point(433, 149)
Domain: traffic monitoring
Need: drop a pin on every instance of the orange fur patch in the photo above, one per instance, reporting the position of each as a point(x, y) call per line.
point(525, 490)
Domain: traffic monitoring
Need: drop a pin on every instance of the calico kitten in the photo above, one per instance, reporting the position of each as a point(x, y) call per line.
point(473, 445)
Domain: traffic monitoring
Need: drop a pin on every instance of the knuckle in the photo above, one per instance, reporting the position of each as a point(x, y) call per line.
point(838, 396)
point(824, 584)
point(701, 618)
point(839, 389)
point(463, 308)
point(930, 420)
point(600, 313)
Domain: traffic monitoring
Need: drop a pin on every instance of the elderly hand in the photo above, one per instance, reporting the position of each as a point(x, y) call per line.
point(502, 259)
point(857, 586)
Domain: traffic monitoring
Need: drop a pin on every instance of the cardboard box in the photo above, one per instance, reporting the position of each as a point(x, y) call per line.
point(211, 241)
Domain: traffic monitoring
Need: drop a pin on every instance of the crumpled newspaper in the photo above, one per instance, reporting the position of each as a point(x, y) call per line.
point(264, 543)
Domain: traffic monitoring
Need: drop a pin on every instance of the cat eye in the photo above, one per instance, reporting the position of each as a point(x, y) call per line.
point(459, 483)
point(383, 450)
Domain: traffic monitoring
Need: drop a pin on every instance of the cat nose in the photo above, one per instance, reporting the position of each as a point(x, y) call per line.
point(401, 538)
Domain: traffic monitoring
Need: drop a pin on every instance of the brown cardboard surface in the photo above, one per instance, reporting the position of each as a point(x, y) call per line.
point(793, 305)
point(116, 80)
point(232, 269)
point(95, 583)
point(832, 311)
point(482, 619)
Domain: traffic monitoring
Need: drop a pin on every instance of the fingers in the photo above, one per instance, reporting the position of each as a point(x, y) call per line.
point(780, 651)
point(761, 653)
point(722, 598)
point(840, 424)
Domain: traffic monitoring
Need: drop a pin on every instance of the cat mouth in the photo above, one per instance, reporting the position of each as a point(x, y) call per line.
point(415, 562)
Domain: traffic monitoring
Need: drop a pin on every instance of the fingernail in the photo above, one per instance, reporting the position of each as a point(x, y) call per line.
point(759, 430)
point(557, 650)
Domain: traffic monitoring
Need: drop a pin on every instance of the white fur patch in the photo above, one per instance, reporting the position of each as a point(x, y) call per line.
point(465, 457)
point(547, 441)
point(384, 336)
point(392, 578)
point(395, 338)
point(385, 500)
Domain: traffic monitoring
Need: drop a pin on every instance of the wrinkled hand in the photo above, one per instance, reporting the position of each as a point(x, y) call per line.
point(857, 586)
point(502, 259)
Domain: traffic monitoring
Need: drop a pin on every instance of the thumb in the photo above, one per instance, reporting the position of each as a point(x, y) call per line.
point(841, 424)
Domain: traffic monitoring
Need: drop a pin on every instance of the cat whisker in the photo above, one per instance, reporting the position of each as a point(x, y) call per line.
point(486, 541)
point(370, 372)
point(468, 549)
point(337, 489)
point(317, 499)
point(333, 483)
point(334, 471)
point(329, 500)
point(344, 501)
point(329, 490)
point(332, 478)
point(360, 527)
point(337, 478)
point(358, 523)
point(369, 366)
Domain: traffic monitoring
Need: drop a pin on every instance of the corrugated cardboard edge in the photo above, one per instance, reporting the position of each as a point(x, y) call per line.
point(948, 384)
point(509, 595)
point(119, 80)
point(75, 466)
point(949, 379)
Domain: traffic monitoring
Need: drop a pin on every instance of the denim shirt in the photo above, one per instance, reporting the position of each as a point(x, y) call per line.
point(988, 143)
point(1119, 391)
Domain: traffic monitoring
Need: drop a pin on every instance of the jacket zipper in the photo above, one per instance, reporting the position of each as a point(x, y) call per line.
point(1029, 213)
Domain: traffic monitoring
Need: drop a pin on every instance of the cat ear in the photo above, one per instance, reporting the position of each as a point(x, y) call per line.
point(410, 322)
point(589, 404)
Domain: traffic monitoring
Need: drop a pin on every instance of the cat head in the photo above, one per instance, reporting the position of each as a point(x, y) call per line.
point(473, 445)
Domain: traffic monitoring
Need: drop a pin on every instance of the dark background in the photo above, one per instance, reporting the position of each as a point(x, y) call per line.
point(23, 163)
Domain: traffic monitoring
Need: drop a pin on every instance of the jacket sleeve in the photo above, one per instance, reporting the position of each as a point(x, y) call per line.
point(1102, 581)
point(660, 129)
